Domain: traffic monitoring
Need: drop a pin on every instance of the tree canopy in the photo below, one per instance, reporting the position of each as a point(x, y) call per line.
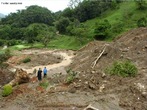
point(33, 14)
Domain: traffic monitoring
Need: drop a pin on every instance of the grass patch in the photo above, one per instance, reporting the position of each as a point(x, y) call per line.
point(127, 15)
point(66, 42)
point(19, 47)
point(7, 90)
point(122, 68)
point(44, 84)
point(37, 45)
point(26, 60)
point(60, 42)
point(70, 76)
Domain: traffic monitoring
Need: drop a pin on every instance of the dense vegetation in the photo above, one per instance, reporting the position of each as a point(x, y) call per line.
point(73, 27)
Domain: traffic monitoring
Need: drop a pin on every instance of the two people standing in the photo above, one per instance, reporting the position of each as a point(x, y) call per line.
point(39, 73)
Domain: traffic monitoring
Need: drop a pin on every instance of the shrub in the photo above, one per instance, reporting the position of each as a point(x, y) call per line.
point(44, 84)
point(62, 24)
point(117, 28)
point(71, 76)
point(2, 42)
point(7, 53)
point(142, 22)
point(7, 90)
point(26, 60)
point(11, 42)
point(4, 55)
point(102, 30)
point(122, 68)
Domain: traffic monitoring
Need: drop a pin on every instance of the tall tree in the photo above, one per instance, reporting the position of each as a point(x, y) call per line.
point(33, 14)
point(33, 30)
point(89, 9)
point(68, 12)
point(62, 24)
point(74, 3)
point(141, 4)
point(45, 37)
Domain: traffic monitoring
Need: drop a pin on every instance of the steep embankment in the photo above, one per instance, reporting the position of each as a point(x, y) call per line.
point(131, 91)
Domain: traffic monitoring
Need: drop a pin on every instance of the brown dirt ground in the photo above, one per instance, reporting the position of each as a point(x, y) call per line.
point(5, 76)
point(36, 59)
point(129, 46)
point(92, 85)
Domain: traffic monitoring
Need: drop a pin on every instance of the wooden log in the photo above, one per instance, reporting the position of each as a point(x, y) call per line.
point(95, 62)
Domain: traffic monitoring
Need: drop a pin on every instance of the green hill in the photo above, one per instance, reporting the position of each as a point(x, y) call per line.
point(121, 19)
point(72, 28)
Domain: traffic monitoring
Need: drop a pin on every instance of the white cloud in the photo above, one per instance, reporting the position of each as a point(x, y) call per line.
point(54, 5)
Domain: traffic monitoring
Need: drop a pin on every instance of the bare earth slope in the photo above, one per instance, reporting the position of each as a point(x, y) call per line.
point(91, 85)
point(132, 91)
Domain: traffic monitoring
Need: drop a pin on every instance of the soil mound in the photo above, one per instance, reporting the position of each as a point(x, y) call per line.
point(5, 76)
point(129, 46)
point(21, 76)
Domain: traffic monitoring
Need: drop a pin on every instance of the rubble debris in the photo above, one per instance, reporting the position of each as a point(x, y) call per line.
point(21, 76)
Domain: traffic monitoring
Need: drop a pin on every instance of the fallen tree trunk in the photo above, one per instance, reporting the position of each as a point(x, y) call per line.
point(21, 76)
point(90, 107)
point(95, 62)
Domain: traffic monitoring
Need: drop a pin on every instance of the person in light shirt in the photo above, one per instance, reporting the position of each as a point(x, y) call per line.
point(45, 72)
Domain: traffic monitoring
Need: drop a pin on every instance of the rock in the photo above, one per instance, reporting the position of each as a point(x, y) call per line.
point(93, 72)
point(59, 58)
point(128, 58)
point(21, 76)
point(138, 52)
point(86, 82)
point(74, 53)
point(101, 87)
point(141, 88)
point(103, 75)
point(125, 50)
point(121, 56)
point(92, 86)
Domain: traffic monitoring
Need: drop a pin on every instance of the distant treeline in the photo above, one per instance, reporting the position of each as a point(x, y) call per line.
point(35, 23)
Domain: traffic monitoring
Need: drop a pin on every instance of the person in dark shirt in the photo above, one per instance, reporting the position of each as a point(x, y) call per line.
point(39, 74)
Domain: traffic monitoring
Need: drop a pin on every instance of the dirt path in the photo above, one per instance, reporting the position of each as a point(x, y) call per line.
point(66, 61)
point(53, 68)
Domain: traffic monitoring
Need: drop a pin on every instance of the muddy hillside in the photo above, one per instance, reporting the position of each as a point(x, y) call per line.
point(90, 88)
point(132, 91)
point(131, 45)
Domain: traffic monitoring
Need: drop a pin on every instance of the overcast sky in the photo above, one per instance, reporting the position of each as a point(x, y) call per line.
point(6, 6)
